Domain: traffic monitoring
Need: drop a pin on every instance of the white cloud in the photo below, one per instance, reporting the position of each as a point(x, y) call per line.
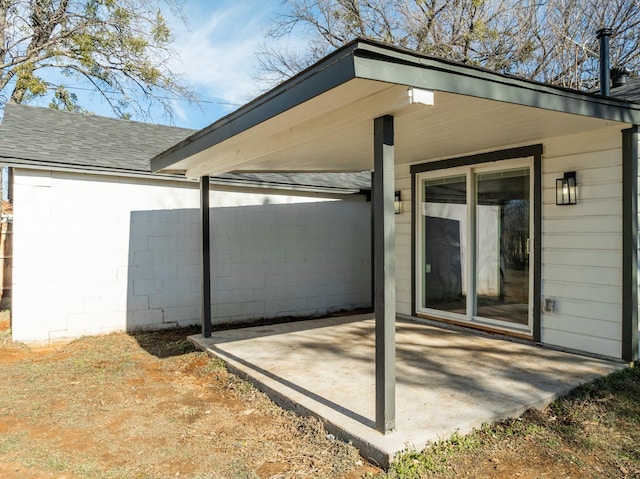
point(217, 48)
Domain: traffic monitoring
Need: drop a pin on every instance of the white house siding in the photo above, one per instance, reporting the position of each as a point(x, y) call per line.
point(95, 254)
point(403, 241)
point(582, 244)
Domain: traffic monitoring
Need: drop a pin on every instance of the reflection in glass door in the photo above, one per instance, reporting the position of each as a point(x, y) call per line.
point(502, 245)
point(444, 211)
point(474, 231)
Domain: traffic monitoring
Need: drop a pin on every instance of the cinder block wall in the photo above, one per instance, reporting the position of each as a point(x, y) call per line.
point(95, 254)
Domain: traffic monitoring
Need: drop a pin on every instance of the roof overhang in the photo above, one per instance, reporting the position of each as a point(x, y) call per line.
point(322, 119)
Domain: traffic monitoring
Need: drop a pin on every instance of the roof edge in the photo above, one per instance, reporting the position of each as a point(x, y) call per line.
point(12, 105)
point(357, 60)
point(333, 70)
point(122, 173)
point(458, 78)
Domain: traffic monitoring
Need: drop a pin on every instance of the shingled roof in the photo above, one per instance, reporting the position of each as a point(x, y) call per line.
point(629, 92)
point(63, 138)
point(44, 138)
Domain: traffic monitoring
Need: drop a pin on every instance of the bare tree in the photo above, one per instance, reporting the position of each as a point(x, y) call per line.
point(546, 40)
point(117, 48)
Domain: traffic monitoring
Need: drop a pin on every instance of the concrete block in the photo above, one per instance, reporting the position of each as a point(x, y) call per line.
point(188, 271)
point(188, 216)
point(268, 292)
point(233, 296)
point(253, 309)
point(180, 286)
point(146, 287)
point(274, 307)
point(170, 216)
point(228, 310)
point(137, 303)
point(75, 289)
point(150, 317)
point(145, 257)
point(316, 302)
point(160, 301)
point(163, 243)
point(100, 305)
point(228, 283)
point(187, 299)
point(182, 314)
point(253, 282)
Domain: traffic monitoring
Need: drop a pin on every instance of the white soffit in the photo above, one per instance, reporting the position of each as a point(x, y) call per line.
point(334, 131)
point(459, 125)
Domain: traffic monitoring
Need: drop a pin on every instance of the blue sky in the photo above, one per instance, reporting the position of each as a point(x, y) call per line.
point(216, 57)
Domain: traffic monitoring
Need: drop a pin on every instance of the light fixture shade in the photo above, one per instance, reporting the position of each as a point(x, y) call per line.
point(397, 202)
point(566, 189)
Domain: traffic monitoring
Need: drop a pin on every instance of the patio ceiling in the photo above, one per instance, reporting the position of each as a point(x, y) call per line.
point(322, 119)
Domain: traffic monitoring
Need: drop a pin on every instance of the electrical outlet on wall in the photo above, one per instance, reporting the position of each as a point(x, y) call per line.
point(549, 305)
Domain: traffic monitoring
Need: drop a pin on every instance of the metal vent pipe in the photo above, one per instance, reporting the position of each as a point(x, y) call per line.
point(605, 80)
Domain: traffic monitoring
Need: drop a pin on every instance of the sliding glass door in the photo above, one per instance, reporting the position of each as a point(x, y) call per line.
point(475, 245)
point(502, 245)
point(444, 225)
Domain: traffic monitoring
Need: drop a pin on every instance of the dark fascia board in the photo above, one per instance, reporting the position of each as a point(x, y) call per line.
point(332, 71)
point(380, 62)
point(29, 164)
point(367, 59)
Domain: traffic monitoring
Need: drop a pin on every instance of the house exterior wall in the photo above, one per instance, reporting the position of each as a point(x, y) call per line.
point(581, 244)
point(95, 254)
point(403, 241)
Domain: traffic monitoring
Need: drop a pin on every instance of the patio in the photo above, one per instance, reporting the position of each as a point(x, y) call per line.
point(447, 380)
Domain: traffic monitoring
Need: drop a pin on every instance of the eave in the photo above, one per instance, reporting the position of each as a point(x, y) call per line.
point(321, 119)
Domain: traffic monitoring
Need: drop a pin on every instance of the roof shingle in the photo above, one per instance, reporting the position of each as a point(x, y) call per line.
point(60, 139)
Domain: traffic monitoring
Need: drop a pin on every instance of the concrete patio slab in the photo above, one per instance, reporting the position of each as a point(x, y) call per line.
point(447, 381)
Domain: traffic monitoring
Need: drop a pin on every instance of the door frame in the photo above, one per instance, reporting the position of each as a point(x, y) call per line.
point(534, 151)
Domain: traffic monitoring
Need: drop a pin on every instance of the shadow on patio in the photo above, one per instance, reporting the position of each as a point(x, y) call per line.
point(447, 381)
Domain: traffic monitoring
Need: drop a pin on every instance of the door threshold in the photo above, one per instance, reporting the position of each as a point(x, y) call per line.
point(463, 325)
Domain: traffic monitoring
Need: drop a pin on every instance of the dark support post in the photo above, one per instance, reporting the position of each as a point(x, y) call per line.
point(630, 244)
point(206, 257)
point(384, 273)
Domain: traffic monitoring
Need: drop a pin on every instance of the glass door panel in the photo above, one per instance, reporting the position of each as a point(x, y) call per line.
point(444, 223)
point(502, 245)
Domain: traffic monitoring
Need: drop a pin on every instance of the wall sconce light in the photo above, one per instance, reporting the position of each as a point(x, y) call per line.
point(397, 202)
point(566, 189)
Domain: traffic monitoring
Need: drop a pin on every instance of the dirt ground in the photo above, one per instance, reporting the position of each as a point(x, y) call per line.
point(149, 406)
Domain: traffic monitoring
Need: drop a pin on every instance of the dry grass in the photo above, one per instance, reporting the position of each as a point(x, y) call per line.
point(149, 406)
point(592, 433)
